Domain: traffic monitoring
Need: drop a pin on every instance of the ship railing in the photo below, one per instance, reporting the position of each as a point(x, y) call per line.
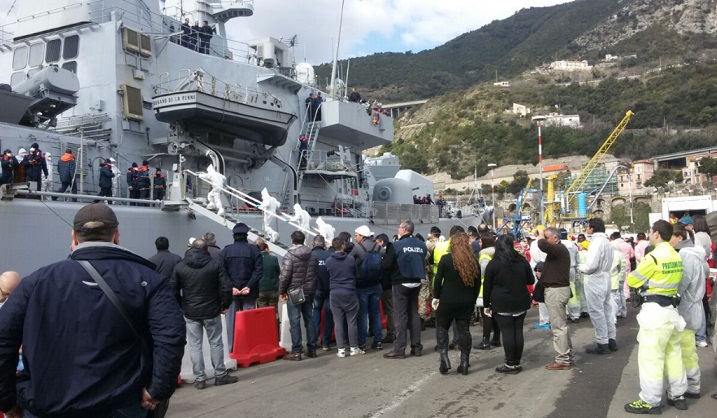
point(94, 197)
point(320, 161)
point(389, 213)
point(252, 201)
point(199, 80)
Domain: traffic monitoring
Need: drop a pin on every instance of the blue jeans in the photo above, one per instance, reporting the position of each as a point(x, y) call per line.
point(321, 300)
point(305, 310)
point(134, 411)
point(195, 334)
point(369, 300)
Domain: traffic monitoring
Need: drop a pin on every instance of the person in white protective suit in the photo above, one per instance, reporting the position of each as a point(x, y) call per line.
point(116, 179)
point(327, 231)
point(214, 196)
point(597, 288)
point(537, 256)
point(301, 217)
point(617, 278)
point(47, 182)
point(695, 271)
point(269, 205)
point(659, 356)
point(574, 302)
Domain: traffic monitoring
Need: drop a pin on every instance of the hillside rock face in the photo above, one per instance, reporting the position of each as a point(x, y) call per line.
point(685, 16)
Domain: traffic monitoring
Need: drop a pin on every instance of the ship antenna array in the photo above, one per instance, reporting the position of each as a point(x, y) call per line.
point(10, 9)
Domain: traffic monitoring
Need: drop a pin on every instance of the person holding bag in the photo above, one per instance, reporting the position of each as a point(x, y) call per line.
point(506, 282)
point(297, 286)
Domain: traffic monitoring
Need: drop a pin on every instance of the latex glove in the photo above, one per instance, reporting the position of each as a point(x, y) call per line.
point(434, 304)
point(488, 312)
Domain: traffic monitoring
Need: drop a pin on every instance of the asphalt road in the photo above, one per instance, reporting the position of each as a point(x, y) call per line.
point(370, 386)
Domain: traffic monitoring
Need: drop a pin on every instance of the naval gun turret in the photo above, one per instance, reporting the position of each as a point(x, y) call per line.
point(41, 98)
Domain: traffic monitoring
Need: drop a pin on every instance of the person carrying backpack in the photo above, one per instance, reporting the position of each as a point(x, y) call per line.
point(368, 286)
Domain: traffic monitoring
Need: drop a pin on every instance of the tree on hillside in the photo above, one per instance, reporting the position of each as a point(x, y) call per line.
point(708, 167)
point(520, 180)
point(663, 176)
point(620, 216)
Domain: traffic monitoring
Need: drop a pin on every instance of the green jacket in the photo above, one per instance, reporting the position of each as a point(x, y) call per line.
point(270, 279)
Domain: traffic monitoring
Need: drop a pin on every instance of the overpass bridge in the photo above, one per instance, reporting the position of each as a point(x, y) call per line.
point(397, 108)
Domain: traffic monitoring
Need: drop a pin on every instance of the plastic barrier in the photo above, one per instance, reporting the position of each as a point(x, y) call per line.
point(383, 316)
point(255, 339)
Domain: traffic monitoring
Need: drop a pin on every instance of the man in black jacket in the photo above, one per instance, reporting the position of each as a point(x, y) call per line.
point(66, 168)
point(164, 260)
point(321, 298)
point(106, 176)
point(95, 366)
point(203, 289)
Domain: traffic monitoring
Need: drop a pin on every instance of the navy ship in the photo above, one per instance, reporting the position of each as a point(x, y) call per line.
point(125, 80)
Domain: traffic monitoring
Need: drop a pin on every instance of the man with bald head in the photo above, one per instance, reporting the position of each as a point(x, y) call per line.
point(8, 282)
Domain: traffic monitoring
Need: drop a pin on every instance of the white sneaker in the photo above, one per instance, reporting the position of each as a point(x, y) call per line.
point(355, 351)
point(701, 344)
point(341, 353)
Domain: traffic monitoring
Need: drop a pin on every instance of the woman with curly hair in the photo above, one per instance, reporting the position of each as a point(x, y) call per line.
point(507, 299)
point(455, 289)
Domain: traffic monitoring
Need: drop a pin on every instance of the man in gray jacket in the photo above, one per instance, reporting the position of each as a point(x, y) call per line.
point(598, 284)
point(300, 269)
point(691, 291)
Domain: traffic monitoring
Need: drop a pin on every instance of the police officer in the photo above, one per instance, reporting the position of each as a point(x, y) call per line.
point(245, 268)
point(659, 358)
point(406, 259)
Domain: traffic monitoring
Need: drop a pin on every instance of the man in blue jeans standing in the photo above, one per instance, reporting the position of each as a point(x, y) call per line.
point(300, 269)
point(321, 299)
point(202, 287)
point(368, 286)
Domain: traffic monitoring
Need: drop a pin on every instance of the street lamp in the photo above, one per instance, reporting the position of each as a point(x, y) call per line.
point(539, 120)
point(492, 189)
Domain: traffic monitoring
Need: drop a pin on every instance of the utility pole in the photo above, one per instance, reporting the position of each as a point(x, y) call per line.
point(539, 120)
point(492, 190)
point(332, 91)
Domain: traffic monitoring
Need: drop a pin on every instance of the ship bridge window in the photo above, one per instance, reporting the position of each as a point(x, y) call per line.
point(19, 59)
point(70, 66)
point(17, 77)
point(71, 47)
point(36, 54)
point(52, 54)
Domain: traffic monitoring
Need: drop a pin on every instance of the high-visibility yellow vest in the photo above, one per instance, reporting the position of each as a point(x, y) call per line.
point(441, 249)
point(483, 257)
point(660, 270)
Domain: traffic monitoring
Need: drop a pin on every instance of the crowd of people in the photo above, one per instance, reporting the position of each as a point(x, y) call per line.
point(473, 275)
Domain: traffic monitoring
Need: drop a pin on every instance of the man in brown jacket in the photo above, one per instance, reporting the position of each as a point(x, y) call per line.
point(555, 278)
point(300, 269)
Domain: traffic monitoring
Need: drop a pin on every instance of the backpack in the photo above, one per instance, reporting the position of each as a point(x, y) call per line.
point(371, 271)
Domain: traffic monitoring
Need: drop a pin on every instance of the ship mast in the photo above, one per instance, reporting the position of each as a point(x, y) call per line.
point(336, 53)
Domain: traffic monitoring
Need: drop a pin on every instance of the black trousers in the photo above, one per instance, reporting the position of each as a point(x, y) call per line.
point(513, 342)
point(490, 325)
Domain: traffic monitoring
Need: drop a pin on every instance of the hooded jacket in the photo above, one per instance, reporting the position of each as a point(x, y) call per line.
point(81, 357)
point(106, 176)
point(692, 286)
point(342, 273)
point(300, 268)
point(66, 167)
point(201, 285)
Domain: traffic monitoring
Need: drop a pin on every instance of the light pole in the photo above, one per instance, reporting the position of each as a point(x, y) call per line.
point(492, 189)
point(539, 120)
point(332, 91)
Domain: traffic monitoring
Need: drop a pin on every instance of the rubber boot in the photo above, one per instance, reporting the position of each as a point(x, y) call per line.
point(442, 337)
point(484, 344)
point(466, 342)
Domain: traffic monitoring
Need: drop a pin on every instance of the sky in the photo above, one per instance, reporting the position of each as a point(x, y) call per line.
point(369, 26)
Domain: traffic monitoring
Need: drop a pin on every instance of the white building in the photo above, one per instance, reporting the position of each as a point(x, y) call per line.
point(502, 84)
point(570, 66)
point(520, 109)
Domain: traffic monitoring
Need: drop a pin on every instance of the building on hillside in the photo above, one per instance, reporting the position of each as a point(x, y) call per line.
point(570, 66)
point(634, 180)
point(610, 57)
point(691, 173)
point(521, 110)
point(569, 121)
point(502, 84)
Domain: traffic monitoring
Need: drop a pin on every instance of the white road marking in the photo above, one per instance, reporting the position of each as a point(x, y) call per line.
point(407, 393)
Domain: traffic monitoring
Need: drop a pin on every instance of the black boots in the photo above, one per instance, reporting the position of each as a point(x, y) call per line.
point(442, 337)
point(484, 344)
point(599, 349)
point(466, 342)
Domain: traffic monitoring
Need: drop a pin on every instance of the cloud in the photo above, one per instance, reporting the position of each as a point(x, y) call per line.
point(372, 25)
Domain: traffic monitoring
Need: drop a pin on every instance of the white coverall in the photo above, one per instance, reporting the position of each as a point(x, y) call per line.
point(598, 285)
